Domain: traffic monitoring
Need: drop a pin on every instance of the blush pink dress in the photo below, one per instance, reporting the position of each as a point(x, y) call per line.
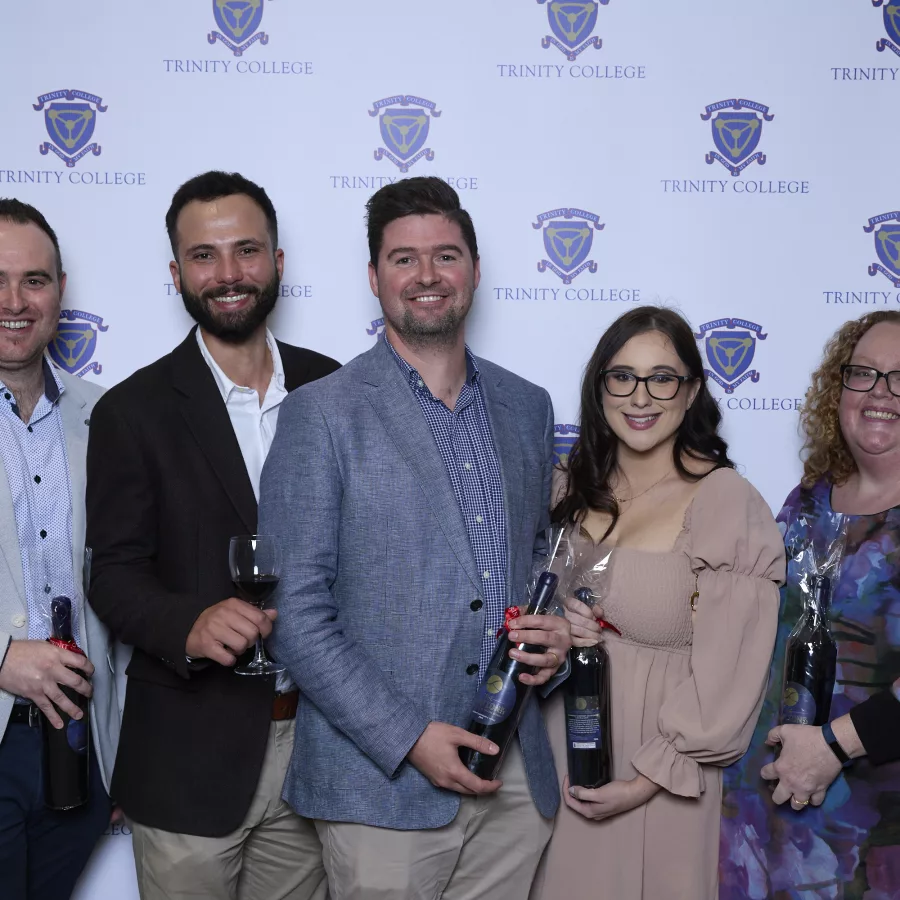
point(686, 696)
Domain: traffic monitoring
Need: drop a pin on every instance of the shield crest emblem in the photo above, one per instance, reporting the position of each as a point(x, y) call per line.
point(562, 446)
point(892, 21)
point(73, 345)
point(70, 125)
point(568, 243)
point(736, 134)
point(730, 353)
point(238, 18)
point(571, 21)
point(404, 131)
point(887, 245)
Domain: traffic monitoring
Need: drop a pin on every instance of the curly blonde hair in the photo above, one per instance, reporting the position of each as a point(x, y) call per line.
point(825, 452)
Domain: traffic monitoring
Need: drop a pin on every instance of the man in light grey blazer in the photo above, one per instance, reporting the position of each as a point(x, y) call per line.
point(44, 415)
point(407, 490)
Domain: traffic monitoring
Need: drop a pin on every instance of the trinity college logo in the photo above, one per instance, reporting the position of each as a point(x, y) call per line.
point(572, 22)
point(75, 341)
point(239, 19)
point(69, 124)
point(568, 236)
point(730, 345)
point(564, 437)
point(404, 121)
point(891, 26)
point(376, 328)
point(887, 245)
point(736, 130)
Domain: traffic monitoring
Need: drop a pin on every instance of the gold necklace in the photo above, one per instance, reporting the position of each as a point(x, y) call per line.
point(645, 491)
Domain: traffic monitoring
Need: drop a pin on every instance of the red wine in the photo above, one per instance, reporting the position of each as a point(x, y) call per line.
point(257, 588)
point(810, 661)
point(501, 696)
point(67, 749)
point(588, 714)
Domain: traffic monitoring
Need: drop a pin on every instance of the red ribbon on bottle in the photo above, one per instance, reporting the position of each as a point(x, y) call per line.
point(71, 646)
point(512, 612)
point(604, 624)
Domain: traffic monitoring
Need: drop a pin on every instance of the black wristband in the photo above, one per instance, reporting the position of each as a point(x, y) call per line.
point(877, 723)
point(834, 744)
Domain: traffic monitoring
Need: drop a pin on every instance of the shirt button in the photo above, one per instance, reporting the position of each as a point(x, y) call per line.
point(37, 479)
point(485, 575)
point(43, 533)
point(30, 428)
point(7, 396)
point(472, 669)
point(468, 466)
point(479, 519)
point(46, 588)
point(475, 605)
point(18, 620)
point(420, 383)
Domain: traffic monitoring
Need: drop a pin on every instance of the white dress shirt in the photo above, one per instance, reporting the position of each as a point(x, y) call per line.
point(254, 424)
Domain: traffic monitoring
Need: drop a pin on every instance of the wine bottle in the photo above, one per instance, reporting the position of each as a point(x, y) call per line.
point(810, 661)
point(66, 749)
point(501, 696)
point(588, 714)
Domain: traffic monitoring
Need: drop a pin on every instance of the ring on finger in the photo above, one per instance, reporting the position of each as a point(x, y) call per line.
point(799, 804)
point(555, 657)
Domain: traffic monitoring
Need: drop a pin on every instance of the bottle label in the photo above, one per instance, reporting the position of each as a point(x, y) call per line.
point(798, 706)
point(496, 698)
point(77, 736)
point(583, 722)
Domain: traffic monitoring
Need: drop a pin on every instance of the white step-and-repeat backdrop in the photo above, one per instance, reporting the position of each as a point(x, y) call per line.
point(723, 158)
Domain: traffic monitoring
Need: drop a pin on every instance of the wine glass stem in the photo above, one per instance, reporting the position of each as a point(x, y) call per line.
point(260, 659)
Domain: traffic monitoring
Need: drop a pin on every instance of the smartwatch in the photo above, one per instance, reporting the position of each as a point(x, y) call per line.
point(836, 748)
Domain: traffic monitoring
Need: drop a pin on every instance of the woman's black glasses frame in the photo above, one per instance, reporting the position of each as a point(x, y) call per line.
point(646, 379)
point(875, 375)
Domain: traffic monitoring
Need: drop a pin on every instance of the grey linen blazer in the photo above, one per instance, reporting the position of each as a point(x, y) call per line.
point(75, 404)
point(375, 622)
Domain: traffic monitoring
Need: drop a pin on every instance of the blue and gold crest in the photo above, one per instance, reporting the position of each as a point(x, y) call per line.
point(376, 328)
point(75, 341)
point(736, 129)
point(887, 245)
point(404, 121)
point(572, 22)
point(568, 237)
point(891, 26)
point(240, 21)
point(564, 437)
point(730, 347)
point(70, 120)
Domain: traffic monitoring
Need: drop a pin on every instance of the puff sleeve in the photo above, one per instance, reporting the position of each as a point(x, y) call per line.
point(738, 555)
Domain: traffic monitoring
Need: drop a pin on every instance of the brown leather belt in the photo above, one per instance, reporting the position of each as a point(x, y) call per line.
point(284, 706)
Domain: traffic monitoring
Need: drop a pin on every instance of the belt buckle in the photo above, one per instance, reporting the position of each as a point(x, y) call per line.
point(33, 719)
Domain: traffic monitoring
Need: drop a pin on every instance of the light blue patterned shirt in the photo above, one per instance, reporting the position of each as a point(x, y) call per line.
point(37, 469)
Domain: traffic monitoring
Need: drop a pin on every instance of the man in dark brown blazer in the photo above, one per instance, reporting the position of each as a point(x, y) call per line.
point(174, 460)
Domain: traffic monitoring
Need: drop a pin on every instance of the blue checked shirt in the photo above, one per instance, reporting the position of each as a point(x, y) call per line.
point(37, 469)
point(463, 437)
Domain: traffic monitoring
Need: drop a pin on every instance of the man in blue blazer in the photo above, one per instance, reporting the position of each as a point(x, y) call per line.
point(407, 490)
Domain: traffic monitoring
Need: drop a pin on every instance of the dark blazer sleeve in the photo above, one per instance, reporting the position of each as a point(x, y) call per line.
point(122, 519)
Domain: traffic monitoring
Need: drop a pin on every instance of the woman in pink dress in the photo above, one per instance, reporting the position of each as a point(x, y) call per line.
point(696, 567)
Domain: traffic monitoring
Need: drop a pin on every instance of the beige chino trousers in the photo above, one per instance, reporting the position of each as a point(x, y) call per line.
point(274, 855)
point(490, 851)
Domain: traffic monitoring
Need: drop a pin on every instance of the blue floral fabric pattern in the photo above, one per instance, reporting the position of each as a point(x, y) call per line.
point(849, 848)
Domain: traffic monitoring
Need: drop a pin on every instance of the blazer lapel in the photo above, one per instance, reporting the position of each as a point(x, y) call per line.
point(512, 468)
point(205, 415)
point(9, 536)
point(72, 406)
point(406, 426)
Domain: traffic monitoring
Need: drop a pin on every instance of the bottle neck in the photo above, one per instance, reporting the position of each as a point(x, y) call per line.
point(816, 604)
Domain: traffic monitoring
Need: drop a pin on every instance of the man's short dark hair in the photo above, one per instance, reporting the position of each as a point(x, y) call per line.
point(19, 213)
point(421, 196)
point(213, 186)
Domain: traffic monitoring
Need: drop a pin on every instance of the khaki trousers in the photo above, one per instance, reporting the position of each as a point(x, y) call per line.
point(274, 855)
point(490, 850)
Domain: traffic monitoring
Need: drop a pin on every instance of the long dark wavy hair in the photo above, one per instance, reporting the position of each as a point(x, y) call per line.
point(592, 459)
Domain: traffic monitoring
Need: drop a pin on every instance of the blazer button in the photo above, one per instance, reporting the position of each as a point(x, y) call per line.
point(472, 669)
point(476, 604)
point(18, 620)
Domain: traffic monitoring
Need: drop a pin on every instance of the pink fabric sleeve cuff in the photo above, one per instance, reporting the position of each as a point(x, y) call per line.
point(676, 772)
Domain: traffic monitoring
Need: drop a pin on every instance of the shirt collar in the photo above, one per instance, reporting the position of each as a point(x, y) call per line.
point(224, 383)
point(415, 379)
point(53, 386)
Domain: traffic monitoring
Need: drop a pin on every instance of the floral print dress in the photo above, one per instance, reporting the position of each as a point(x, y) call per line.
point(849, 848)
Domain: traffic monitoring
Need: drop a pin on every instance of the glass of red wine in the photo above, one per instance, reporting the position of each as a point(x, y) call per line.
point(255, 564)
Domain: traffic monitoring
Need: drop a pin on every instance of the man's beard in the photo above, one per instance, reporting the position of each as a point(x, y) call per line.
point(436, 333)
point(232, 327)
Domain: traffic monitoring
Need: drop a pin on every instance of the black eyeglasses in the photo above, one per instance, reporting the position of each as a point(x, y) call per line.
point(864, 378)
point(661, 386)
